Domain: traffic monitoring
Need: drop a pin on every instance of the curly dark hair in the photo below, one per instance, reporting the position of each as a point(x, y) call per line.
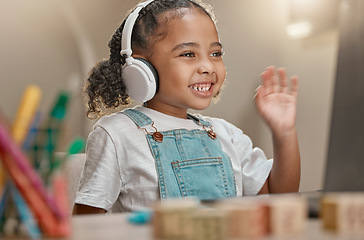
point(104, 86)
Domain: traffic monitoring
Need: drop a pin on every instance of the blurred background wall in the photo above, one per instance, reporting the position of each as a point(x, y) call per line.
point(53, 44)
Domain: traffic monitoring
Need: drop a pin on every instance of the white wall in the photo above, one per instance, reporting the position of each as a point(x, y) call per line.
point(38, 46)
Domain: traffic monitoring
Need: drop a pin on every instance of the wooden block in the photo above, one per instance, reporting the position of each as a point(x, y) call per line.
point(343, 212)
point(209, 224)
point(287, 215)
point(245, 218)
point(360, 211)
point(172, 219)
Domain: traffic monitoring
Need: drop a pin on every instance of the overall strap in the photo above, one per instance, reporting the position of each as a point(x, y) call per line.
point(139, 118)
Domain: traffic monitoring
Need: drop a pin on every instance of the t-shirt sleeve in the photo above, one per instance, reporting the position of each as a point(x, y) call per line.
point(100, 182)
point(255, 170)
point(255, 166)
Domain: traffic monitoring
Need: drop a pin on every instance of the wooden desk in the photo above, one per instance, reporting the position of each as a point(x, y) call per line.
point(108, 227)
point(116, 226)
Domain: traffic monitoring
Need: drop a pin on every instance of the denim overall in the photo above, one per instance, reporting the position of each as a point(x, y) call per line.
point(188, 163)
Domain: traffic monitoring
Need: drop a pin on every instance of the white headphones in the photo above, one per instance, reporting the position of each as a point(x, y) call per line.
point(139, 75)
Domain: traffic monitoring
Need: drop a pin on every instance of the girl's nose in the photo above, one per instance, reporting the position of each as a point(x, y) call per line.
point(206, 66)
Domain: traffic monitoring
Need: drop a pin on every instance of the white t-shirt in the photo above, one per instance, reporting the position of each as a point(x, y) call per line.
point(120, 174)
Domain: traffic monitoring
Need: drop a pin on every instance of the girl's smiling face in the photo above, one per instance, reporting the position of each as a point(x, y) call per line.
point(189, 62)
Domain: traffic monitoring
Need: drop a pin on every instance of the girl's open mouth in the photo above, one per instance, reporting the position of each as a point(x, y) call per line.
point(201, 87)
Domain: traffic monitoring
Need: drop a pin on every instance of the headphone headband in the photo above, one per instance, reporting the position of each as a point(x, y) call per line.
point(139, 75)
point(128, 29)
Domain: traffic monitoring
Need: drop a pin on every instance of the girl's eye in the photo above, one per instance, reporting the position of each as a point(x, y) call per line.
point(187, 54)
point(217, 54)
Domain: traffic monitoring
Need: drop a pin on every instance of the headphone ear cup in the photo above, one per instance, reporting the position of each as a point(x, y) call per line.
point(152, 69)
point(140, 78)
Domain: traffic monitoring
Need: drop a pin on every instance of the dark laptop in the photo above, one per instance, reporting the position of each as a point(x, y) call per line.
point(345, 155)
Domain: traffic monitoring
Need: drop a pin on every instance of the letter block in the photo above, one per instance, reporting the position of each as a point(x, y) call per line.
point(245, 218)
point(209, 224)
point(172, 219)
point(287, 215)
point(343, 212)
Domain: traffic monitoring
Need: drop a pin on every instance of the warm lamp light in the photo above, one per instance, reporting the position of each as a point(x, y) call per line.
point(299, 30)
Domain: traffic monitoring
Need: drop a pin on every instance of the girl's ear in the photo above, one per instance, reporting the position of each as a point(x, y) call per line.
point(136, 55)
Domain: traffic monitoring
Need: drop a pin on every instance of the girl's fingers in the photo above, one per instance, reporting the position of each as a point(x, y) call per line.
point(294, 88)
point(268, 81)
point(277, 81)
point(283, 80)
point(257, 91)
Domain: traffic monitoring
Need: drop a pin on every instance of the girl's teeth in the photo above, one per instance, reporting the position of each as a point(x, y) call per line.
point(201, 87)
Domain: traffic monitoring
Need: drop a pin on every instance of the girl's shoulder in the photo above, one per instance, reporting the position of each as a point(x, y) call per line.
point(115, 122)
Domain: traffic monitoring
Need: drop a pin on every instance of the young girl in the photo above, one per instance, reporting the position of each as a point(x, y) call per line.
point(160, 151)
